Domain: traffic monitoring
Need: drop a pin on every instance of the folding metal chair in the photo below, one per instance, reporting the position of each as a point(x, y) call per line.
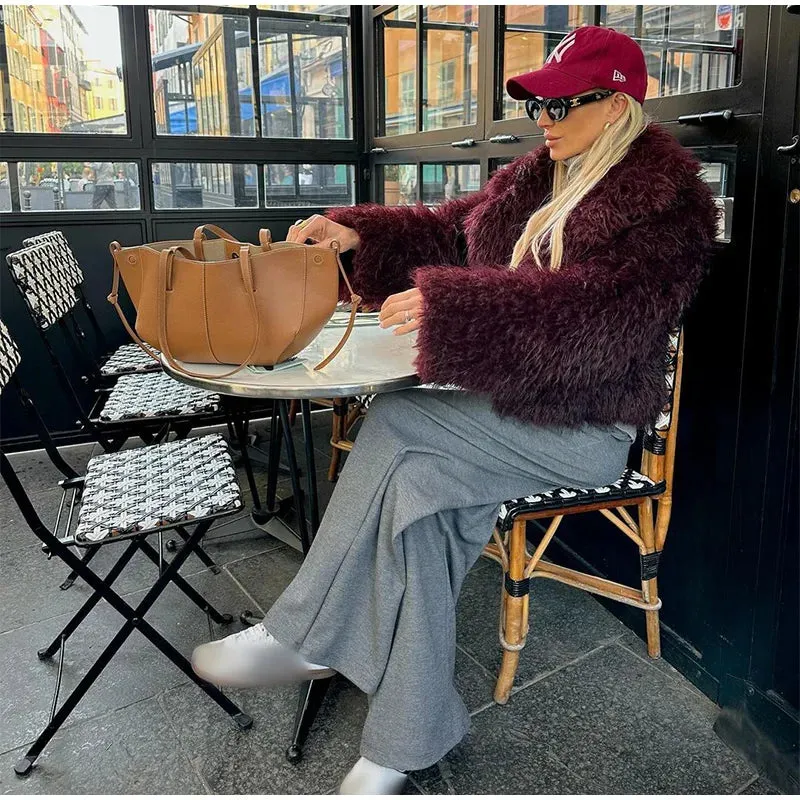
point(147, 405)
point(654, 483)
point(126, 359)
point(183, 485)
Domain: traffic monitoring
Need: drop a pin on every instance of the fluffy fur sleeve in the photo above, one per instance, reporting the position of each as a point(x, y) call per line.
point(536, 339)
point(397, 239)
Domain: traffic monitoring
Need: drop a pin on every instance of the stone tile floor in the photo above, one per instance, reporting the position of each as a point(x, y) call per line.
point(590, 713)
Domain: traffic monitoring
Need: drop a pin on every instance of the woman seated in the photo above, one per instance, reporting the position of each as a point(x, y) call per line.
point(548, 297)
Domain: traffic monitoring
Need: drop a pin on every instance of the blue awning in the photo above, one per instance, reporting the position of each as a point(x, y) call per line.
point(179, 118)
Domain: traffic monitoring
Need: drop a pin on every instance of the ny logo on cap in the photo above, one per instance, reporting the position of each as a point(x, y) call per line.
point(618, 76)
point(562, 48)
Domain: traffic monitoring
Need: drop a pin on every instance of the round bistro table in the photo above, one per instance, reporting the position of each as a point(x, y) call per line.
point(372, 361)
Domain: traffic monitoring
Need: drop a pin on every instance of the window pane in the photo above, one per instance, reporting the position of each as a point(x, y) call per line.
point(5, 187)
point(63, 71)
point(442, 182)
point(687, 48)
point(450, 54)
point(719, 165)
point(192, 185)
point(305, 79)
point(335, 11)
point(78, 186)
point(202, 76)
point(531, 34)
point(398, 90)
point(309, 185)
point(399, 184)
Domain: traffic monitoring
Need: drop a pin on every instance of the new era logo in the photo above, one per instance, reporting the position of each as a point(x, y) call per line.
point(618, 76)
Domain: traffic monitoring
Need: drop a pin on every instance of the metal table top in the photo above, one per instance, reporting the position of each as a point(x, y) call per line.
point(373, 360)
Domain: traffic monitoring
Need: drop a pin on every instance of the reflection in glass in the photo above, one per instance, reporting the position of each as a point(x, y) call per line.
point(442, 182)
point(309, 185)
point(5, 187)
point(531, 34)
point(305, 79)
point(78, 186)
point(687, 48)
point(193, 185)
point(63, 70)
point(397, 34)
point(399, 184)
point(450, 97)
point(202, 75)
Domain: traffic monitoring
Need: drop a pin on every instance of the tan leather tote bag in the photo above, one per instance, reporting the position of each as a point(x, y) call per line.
point(249, 304)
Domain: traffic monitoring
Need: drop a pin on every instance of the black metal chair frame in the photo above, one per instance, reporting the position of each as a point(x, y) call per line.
point(103, 588)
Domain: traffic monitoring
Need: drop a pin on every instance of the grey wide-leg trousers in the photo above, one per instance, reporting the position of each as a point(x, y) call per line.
point(415, 504)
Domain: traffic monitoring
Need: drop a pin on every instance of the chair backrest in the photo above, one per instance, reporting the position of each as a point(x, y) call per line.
point(72, 269)
point(9, 361)
point(660, 436)
point(9, 356)
point(46, 279)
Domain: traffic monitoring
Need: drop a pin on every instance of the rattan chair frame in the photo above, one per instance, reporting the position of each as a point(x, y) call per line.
point(649, 534)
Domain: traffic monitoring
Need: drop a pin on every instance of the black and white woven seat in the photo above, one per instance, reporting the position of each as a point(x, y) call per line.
point(631, 484)
point(126, 360)
point(155, 395)
point(184, 485)
point(144, 401)
point(148, 488)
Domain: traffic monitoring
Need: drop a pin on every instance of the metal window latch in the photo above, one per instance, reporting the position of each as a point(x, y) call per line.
point(707, 116)
point(379, 150)
point(504, 138)
point(463, 143)
point(792, 147)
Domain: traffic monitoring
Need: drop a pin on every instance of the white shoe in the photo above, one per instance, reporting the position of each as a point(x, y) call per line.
point(366, 777)
point(253, 658)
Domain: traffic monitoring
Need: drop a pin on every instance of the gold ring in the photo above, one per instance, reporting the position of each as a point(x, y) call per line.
point(300, 223)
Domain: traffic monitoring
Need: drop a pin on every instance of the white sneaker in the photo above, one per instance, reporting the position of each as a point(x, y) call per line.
point(253, 658)
point(367, 777)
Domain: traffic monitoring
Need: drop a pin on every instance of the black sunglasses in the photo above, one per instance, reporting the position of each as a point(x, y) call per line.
point(558, 107)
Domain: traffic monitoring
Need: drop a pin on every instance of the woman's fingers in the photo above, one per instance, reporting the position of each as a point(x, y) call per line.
point(313, 228)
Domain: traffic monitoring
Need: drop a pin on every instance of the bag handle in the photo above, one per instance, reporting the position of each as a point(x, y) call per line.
point(165, 267)
point(265, 238)
point(199, 237)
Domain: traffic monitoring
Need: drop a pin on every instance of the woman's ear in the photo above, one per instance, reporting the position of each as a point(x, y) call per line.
point(617, 106)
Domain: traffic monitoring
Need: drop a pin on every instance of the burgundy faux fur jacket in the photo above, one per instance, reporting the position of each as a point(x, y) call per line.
point(584, 344)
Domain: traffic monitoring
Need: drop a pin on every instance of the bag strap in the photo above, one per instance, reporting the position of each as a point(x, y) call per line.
point(199, 237)
point(355, 301)
point(165, 268)
point(113, 298)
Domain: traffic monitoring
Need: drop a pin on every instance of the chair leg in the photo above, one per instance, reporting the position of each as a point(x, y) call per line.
point(649, 580)
point(513, 613)
point(337, 434)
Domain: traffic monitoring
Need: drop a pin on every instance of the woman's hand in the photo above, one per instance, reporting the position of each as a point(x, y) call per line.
point(323, 230)
point(403, 309)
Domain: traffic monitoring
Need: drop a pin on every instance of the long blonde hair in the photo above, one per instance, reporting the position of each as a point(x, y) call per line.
point(572, 183)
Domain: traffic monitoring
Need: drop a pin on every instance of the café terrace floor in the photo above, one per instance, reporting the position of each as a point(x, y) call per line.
point(590, 713)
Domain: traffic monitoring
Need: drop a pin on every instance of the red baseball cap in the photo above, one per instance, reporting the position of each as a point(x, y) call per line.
point(587, 58)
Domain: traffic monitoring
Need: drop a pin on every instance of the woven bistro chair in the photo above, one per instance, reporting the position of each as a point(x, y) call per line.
point(124, 499)
point(124, 360)
point(648, 532)
point(149, 405)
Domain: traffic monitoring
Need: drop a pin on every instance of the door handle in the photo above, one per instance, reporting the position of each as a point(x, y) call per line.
point(504, 138)
point(707, 116)
point(794, 147)
point(463, 143)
